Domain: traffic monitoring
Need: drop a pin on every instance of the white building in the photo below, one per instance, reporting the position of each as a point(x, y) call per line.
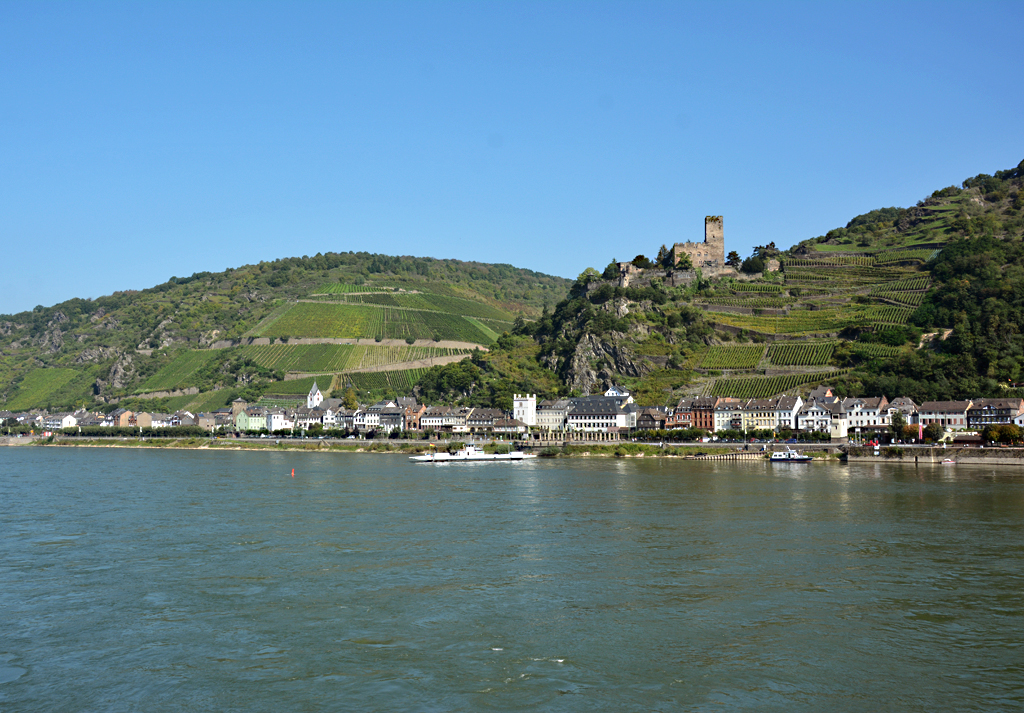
point(279, 420)
point(58, 421)
point(315, 398)
point(786, 411)
point(524, 408)
point(552, 415)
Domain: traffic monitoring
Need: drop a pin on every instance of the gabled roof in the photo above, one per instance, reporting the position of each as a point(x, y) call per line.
point(997, 404)
point(954, 406)
point(903, 403)
point(787, 403)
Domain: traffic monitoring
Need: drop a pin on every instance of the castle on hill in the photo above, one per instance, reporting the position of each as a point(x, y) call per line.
point(708, 256)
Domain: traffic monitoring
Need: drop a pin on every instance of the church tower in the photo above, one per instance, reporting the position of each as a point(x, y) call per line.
point(315, 398)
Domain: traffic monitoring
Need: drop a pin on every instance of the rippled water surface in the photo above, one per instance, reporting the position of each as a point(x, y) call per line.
point(194, 581)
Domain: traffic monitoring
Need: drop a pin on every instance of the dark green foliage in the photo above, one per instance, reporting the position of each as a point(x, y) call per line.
point(880, 215)
point(752, 265)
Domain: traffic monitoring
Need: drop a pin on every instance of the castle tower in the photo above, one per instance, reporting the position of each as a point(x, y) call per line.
point(714, 233)
point(708, 256)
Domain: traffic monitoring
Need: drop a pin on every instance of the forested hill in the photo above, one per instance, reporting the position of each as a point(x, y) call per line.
point(925, 301)
point(94, 352)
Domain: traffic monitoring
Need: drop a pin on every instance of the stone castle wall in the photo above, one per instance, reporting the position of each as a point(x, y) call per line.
point(709, 255)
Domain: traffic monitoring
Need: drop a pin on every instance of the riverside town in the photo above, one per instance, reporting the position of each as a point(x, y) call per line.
point(607, 417)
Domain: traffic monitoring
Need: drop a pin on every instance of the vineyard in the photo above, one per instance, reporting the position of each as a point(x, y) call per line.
point(801, 354)
point(326, 358)
point(911, 299)
point(765, 386)
point(40, 385)
point(399, 382)
point(432, 303)
point(910, 283)
point(905, 255)
point(839, 261)
point(751, 302)
point(306, 319)
point(755, 287)
point(338, 288)
point(300, 357)
point(301, 387)
point(738, 357)
point(877, 350)
point(177, 374)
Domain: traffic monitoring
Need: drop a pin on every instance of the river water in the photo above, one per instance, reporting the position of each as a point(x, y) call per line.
point(137, 580)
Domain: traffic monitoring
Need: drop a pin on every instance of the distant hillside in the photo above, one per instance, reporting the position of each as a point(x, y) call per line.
point(856, 307)
point(262, 329)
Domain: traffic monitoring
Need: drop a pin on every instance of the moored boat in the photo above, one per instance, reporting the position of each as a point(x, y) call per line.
point(470, 453)
point(789, 456)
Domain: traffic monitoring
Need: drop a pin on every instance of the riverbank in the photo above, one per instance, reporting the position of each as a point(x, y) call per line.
point(575, 450)
point(998, 455)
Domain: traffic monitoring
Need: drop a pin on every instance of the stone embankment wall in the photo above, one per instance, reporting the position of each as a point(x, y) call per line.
point(963, 456)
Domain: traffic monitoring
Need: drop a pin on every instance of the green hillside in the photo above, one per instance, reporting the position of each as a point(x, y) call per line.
point(920, 301)
point(197, 332)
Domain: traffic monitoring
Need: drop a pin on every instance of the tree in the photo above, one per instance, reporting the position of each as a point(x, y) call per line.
point(933, 432)
point(685, 263)
point(350, 400)
point(666, 258)
point(898, 422)
point(752, 265)
point(642, 262)
point(733, 259)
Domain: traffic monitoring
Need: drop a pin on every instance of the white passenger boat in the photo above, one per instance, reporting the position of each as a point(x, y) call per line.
point(469, 453)
point(789, 456)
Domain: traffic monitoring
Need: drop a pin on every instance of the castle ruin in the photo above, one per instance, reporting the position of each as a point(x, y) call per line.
point(708, 256)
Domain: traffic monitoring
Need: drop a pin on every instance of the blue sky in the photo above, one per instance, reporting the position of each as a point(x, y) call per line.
point(144, 140)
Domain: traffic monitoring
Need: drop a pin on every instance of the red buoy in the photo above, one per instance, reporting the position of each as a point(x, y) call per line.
point(293, 472)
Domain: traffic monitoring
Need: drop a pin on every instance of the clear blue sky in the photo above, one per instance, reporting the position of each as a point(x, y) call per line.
point(146, 139)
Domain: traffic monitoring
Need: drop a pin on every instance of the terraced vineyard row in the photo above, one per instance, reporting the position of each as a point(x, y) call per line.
point(401, 382)
point(802, 354)
point(434, 303)
point(301, 357)
point(338, 288)
point(752, 302)
point(382, 356)
point(911, 283)
point(800, 322)
point(755, 287)
point(922, 254)
point(307, 319)
point(888, 315)
point(838, 261)
point(880, 350)
point(913, 299)
point(738, 357)
point(765, 386)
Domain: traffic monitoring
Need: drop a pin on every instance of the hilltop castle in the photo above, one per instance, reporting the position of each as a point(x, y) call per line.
point(709, 256)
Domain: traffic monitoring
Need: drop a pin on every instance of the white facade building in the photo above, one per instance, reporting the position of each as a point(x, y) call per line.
point(524, 408)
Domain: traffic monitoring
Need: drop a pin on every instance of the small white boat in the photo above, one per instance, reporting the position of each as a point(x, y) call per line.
point(470, 453)
point(948, 461)
point(789, 456)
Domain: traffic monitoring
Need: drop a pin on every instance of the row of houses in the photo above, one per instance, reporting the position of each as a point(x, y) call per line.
point(612, 412)
point(120, 418)
point(824, 411)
